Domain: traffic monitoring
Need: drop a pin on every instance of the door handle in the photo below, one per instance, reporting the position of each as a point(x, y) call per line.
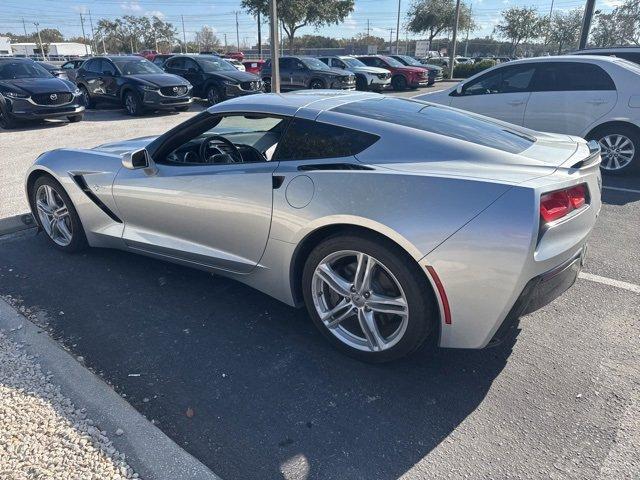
point(596, 101)
point(515, 103)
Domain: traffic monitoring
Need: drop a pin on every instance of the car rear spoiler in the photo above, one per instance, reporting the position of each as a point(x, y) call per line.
point(592, 159)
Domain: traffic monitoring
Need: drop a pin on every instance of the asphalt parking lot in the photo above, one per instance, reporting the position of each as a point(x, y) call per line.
point(267, 396)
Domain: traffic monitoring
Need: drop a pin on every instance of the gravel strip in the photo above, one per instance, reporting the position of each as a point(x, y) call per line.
point(42, 434)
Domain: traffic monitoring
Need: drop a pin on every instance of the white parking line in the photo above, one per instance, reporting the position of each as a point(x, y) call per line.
point(632, 287)
point(620, 189)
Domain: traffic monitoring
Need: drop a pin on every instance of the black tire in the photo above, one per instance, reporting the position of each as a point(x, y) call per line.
point(631, 133)
point(316, 84)
point(6, 122)
point(79, 239)
point(75, 118)
point(183, 108)
point(86, 98)
point(399, 83)
point(361, 83)
point(213, 95)
point(132, 103)
point(423, 312)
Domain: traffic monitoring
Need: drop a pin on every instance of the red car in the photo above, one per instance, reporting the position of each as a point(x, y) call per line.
point(253, 66)
point(402, 77)
point(148, 54)
point(236, 55)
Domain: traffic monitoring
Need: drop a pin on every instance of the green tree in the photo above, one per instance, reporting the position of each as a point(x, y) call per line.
point(295, 14)
point(132, 33)
point(520, 24)
point(437, 16)
point(564, 29)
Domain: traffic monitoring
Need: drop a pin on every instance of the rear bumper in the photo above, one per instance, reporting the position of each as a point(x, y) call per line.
point(538, 292)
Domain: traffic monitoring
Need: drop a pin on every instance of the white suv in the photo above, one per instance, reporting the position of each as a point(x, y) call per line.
point(594, 97)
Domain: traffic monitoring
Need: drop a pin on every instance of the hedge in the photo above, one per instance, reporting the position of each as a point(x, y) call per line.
point(466, 70)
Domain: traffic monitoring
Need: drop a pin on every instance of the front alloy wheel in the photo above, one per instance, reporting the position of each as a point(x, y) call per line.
point(54, 215)
point(213, 96)
point(360, 301)
point(618, 151)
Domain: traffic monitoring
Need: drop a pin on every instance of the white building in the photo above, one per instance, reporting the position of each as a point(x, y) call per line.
point(5, 46)
point(55, 49)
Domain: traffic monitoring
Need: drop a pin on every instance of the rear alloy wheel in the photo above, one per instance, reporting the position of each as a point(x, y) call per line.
point(57, 215)
point(6, 122)
point(214, 96)
point(132, 103)
point(367, 299)
point(620, 149)
point(316, 84)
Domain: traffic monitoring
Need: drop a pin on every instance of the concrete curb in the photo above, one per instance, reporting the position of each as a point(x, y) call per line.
point(148, 450)
point(17, 223)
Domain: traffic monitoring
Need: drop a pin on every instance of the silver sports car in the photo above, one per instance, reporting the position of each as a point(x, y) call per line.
point(392, 220)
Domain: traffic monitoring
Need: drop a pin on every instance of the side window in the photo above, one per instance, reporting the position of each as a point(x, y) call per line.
point(502, 80)
point(107, 67)
point(286, 63)
point(67, 66)
point(190, 64)
point(158, 61)
point(337, 63)
point(299, 65)
point(93, 66)
point(571, 76)
point(177, 63)
point(308, 139)
point(367, 61)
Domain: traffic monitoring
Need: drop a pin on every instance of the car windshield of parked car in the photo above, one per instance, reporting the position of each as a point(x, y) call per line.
point(215, 64)
point(392, 62)
point(410, 60)
point(13, 70)
point(353, 62)
point(441, 120)
point(315, 64)
point(136, 67)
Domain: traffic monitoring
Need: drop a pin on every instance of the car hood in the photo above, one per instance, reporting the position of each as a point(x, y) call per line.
point(236, 76)
point(33, 86)
point(118, 148)
point(374, 70)
point(334, 72)
point(159, 79)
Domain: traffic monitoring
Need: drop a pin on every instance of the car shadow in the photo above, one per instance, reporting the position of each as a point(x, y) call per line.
point(241, 381)
point(621, 190)
point(106, 113)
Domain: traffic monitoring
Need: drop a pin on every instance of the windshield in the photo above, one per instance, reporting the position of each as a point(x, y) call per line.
point(13, 70)
point(315, 64)
point(135, 67)
point(352, 62)
point(392, 62)
point(410, 60)
point(215, 64)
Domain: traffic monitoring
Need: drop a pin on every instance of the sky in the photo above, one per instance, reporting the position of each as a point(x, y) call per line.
point(380, 15)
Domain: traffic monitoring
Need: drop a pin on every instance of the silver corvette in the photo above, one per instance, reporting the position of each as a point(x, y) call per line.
point(392, 220)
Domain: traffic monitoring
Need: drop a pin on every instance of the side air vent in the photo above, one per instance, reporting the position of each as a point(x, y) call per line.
point(333, 166)
point(82, 183)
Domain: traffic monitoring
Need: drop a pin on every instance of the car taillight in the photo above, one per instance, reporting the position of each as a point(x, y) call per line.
point(555, 205)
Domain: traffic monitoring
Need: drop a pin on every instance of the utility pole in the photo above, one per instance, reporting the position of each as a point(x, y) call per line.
point(184, 36)
point(397, 31)
point(259, 37)
point(225, 43)
point(546, 40)
point(24, 26)
point(86, 50)
point(273, 46)
point(237, 34)
point(391, 30)
point(466, 45)
point(94, 45)
point(586, 23)
point(368, 28)
point(40, 40)
point(452, 54)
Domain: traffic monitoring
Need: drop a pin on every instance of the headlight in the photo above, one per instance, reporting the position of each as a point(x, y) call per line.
point(148, 88)
point(77, 92)
point(15, 95)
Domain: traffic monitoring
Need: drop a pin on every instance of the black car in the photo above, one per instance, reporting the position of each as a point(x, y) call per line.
point(54, 70)
point(133, 82)
point(29, 92)
point(71, 67)
point(213, 78)
point(161, 58)
point(298, 73)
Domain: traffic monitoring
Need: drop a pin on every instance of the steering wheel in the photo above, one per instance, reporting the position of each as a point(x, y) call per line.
point(217, 149)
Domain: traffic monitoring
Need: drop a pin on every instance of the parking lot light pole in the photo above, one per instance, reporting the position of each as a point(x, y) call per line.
point(397, 30)
point(452, 54)
point(275, 64)
point(586, 23)
point(40, 40)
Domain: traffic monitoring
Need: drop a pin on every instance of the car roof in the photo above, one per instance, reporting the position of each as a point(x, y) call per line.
point(290, 103)
point(15, 59)
point(121, 57)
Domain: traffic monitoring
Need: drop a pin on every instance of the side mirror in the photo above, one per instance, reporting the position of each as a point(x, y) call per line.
point(136, 159)
point(459, 88)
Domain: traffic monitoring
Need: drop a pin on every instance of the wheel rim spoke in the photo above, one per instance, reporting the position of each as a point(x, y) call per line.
point(54, 215)
point(382, 304)
point(334, 281)
point(370, 329)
